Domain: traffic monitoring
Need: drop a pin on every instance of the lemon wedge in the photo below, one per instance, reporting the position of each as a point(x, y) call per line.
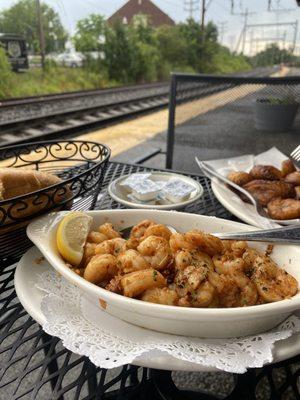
point(71, 236)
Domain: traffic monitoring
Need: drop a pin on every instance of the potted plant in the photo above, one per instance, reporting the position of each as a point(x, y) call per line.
point(275, 113)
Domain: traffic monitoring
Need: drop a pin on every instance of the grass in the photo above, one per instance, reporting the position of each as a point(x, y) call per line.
point(55, 80)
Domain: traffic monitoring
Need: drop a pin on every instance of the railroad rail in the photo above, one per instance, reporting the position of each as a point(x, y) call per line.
point(70, 114)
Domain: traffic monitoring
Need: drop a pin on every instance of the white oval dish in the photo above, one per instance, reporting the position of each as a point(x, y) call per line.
point(26, 282)
point(120, 194)
point(209, 322)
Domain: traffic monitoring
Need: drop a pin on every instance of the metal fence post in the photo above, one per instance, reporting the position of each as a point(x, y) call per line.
point(171, 123)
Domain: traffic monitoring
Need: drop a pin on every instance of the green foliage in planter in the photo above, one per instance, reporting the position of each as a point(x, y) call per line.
point(278, 101)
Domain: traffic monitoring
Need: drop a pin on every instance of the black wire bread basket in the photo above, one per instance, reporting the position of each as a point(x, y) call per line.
point(81, 167)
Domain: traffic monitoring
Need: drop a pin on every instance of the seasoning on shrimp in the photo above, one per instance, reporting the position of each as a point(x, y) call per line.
point(192, 269)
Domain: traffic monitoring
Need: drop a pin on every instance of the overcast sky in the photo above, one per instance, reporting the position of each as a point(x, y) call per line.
point(71, 11)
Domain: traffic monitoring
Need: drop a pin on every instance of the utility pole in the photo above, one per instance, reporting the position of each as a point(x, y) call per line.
point(295, 36)
point(243, 34)
point(191, 6)
point(287, 25)
point(41, 33)
point(245, 30)
point(203, 10)
point(222, 30)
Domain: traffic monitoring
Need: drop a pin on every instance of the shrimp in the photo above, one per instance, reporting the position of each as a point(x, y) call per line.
point(236, 247)
point(234, 290)
point(273, 283)
point(205, 242)
point(185, 258)
point(137, 282)
point(137, 233)
point(157, 230)
point(190, 278)
point(196, 240)
point(156, 251)
point(179, 242)
point(88, 253)
point(145, 229)
point(204, 296)
point(96, 237)
point(112, 246)
point(248, 292)
point(131, 260)
point(161, 296)
point(108, 230)
point(101, 267)
point(227, 264)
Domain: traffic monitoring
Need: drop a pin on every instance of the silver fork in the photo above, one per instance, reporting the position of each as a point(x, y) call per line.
point(210, 172)
point(286, 235)
point(295, 156)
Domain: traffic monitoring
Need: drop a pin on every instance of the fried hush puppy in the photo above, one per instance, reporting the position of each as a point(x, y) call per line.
point(293, 178)
point(265, 191)
point(287, 167)
point(297, 190)
point(239, 177)
point(284, 209)
point(265, 172)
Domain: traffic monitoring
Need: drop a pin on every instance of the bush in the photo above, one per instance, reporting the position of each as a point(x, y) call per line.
point(6, 76)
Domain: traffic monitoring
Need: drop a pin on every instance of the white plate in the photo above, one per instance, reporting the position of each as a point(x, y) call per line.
point(232, 202)
point(199, 322)
point(119, 192)
point(26, 278)
point(244, 211)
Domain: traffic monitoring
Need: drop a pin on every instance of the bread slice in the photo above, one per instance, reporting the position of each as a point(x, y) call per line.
point(17, 181)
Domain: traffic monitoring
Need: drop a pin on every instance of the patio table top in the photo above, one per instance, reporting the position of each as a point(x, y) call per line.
point(34, 365)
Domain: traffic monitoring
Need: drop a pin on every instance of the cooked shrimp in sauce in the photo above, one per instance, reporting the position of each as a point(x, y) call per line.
point(191, 269)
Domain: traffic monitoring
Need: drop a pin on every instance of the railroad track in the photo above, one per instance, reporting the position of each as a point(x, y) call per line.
point(70, 114)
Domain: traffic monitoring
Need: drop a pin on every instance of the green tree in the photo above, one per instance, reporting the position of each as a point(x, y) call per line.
point(90, 33)
point(131, 52)
point(119, 53)
point(145, 53)
point(272, 55)
point(172, 46)
point(200, 51)
point(225, 62)
point(21, 19)
point(6, 76)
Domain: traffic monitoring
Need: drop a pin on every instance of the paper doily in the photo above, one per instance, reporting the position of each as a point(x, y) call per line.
point(71, 317)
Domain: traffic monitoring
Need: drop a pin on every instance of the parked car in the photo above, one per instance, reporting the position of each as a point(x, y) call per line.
point(72, 60)
point(16, 50)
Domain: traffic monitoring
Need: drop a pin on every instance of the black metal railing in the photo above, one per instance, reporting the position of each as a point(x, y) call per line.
point(235, 89)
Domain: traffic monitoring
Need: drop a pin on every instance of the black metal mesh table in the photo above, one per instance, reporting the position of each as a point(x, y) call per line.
point(37, 366)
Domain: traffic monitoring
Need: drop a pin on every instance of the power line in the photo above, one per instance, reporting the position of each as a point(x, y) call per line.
point(278, 8)
point(289, 25)
point(222, 28)
point(244, 13)
point(191, 6)
point(172, 3)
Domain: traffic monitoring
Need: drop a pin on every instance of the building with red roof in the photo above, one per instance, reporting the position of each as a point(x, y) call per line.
point(132, 8)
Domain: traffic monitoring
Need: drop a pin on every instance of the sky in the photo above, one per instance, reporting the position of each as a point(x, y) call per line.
point(219, 11)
